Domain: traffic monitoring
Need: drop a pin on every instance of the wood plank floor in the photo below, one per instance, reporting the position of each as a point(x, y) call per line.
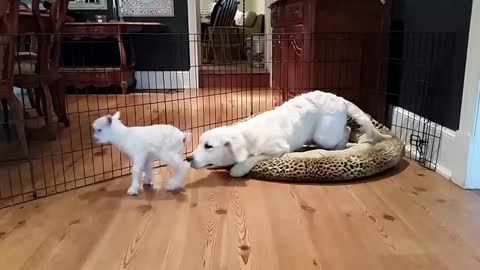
point(408, 218)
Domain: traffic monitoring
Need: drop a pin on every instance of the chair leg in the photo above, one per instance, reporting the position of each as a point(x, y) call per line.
point(55, 101)
point(30, 96)
point(47, 107)
point(5, 116)
point(34, 99)
point(17, 109)
point(60, 90)
point(211, 48)
point(43, 103)
point(5, 110)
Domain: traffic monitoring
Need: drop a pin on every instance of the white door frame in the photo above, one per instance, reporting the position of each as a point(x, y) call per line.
point(466, 169)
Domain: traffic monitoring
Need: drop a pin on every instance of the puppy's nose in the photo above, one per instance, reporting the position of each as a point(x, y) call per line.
point(189, 158)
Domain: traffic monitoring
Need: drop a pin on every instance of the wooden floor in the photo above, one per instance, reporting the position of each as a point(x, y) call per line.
point(409, 218)
point(235, 75)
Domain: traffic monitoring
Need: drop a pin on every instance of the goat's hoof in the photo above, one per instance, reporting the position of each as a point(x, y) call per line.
point(133, 191)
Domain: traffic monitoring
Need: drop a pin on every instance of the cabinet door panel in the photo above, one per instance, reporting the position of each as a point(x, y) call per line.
point(276, 57)
point(295, 59)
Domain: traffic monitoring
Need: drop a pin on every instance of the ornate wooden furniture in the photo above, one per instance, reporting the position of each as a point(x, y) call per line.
point(332, 45)
point(123, 75)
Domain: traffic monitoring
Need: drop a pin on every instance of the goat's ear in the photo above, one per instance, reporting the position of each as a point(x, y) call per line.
point(109, 120)
point(116, 116)
point(238, 147)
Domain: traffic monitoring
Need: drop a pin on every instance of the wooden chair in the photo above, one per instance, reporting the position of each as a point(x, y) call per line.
point(27, 48)
point(39, 72)
point(8, 31)
point(223, 40)
point(58, 17)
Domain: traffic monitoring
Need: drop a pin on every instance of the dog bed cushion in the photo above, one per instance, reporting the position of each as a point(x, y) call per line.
point(360, 159)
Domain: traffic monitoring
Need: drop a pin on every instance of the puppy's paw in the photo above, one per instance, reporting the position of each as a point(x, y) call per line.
point(133, 191)
point(172, 186)
point(238, 171)
point(349, 145)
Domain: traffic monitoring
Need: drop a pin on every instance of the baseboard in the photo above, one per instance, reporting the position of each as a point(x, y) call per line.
point(167, 80)
point(444, 171)
point(405, 118)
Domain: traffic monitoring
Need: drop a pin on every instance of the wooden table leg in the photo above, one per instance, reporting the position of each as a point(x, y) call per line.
point(133, 61)
point(5, 110)
point(131, 48)
point(123, 64)
point(60, 90)
point(48, 113)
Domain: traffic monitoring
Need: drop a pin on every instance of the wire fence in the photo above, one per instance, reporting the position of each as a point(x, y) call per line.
point(198, 82)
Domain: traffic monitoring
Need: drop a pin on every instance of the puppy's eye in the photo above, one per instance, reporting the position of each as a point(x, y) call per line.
point(99, 130)
point(208, 146)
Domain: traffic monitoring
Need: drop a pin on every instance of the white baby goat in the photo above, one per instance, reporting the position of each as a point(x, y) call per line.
point(143, 145)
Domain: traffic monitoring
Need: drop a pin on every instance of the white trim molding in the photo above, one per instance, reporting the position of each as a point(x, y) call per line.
point(167, 80)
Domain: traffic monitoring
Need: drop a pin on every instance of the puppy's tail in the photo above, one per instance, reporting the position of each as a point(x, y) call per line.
point(366, 126)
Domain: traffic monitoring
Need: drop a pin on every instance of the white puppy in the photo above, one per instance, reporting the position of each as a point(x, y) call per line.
point(143, 145)
point(316, 117)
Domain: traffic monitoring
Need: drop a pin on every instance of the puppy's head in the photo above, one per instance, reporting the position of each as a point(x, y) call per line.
point(103, 128)
point(219, 147)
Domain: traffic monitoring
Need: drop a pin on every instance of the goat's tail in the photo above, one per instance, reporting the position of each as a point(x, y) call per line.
point(187, 137)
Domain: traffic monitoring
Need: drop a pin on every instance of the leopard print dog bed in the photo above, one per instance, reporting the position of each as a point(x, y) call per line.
point(358, 160)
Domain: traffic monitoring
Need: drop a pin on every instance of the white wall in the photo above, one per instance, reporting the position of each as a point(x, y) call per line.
point(204, 4)
point(255, 5)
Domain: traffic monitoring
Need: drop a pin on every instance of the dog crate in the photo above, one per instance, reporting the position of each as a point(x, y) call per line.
point(400, 83)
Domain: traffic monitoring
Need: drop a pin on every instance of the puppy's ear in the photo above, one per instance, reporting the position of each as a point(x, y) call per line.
point(109, 120)
point(116, 116)
point(238, 146)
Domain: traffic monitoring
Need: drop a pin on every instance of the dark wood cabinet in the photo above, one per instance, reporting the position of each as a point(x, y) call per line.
point(339, 46)
point(276, 57)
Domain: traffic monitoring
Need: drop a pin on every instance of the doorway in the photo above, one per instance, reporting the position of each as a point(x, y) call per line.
point(233, 42)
